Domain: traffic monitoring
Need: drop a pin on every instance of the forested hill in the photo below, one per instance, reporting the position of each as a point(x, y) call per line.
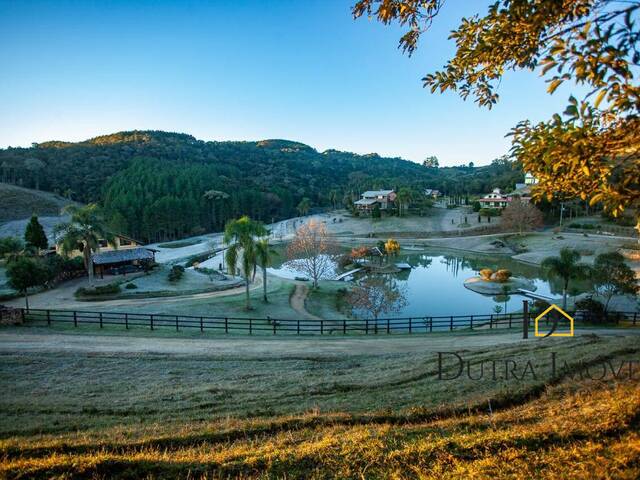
point(153, 184)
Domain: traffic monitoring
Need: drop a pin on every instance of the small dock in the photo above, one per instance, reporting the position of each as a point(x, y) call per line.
point(403, 266)
point(350, 272)
point(534, 295)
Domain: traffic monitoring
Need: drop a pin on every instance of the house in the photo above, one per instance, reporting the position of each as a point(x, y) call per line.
point(495, 199)
point(429, 192)
point(384, 199)
point(123, 255)
point(122, 261)
point(529, 179)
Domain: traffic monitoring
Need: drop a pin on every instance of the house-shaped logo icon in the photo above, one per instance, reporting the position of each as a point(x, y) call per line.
point(552, 332)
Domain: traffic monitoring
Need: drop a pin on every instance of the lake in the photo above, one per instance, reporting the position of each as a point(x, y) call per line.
point(435, 284)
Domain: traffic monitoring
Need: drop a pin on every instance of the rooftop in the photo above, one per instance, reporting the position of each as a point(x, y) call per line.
point(122, 255)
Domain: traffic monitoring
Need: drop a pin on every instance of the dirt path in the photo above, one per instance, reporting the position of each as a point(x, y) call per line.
point(297, 302)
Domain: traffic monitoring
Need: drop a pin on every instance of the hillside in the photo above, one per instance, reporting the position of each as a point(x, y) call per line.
point(19, 203)
point(152, 183)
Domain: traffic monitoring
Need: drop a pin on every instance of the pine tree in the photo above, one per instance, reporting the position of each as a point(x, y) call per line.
point(34, 234)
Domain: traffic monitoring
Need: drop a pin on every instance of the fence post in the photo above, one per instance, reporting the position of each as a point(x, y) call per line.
point(298, 327)
point(321, 327)
point(75, 318)
point(226, 325)
point(471, 324)
point(635, 316)
point(151, 321)
point(525, 319)
point(491, 321)
point(100, 315)
point(250, 327)
point(366, 326)
point(451, 324)
point(177, 328)
point(344, 327)
point(126, 321)
point(48, 318)
point(410, 324)
point(430, 324)
point(510, 320)
point(388, 326)
point(273, 323)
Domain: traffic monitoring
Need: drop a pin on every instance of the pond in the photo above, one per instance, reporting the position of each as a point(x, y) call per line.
point(435, 284)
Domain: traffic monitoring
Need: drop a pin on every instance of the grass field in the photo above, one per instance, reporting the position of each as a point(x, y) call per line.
point(84, 407)
point(19, 203)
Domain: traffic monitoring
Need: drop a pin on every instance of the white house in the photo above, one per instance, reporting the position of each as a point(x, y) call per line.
point(495, 199)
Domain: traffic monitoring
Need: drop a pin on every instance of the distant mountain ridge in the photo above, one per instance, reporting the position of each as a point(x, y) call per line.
point(152, 183)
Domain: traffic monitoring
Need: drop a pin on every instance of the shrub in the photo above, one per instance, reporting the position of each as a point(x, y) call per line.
point(489, 212)
point(344, 261)
point(486, 273)
point(501, 275)
point(176, 273)
point(130, 286)
point(109, 289)
point(592, 310)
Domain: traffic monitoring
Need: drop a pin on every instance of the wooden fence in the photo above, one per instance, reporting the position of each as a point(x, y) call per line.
point(273, 326)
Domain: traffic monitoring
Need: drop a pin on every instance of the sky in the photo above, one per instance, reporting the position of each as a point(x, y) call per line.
point(300, 70)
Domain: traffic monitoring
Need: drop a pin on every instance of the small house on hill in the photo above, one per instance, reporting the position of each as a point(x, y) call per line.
point(495, 199)
point(384, 199)
point(122, 261)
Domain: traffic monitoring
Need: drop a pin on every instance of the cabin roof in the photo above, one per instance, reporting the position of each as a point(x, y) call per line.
point(122, 255)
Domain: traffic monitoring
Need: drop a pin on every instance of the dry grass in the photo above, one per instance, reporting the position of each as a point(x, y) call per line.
point(564, 428)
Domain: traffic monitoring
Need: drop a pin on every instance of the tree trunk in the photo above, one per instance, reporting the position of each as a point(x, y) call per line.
point(264, 284)
point(88, 263)
point(564, 295)
point(26, 299)
point(247, 299)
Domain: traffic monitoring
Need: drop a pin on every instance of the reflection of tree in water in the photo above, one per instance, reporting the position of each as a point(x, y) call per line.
point(454, 264)
point(377, 295)
point(423, 261)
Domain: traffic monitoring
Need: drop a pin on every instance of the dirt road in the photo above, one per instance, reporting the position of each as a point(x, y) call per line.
point(297, 302)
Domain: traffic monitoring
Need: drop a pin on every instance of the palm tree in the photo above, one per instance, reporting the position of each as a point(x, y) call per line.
point(304, 206)
point(404, 197)
point(264, 256)
point(565, 267)
point(86, 228)
point(240, 235)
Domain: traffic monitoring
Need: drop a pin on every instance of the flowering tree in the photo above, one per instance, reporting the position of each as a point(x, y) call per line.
point(312, 252)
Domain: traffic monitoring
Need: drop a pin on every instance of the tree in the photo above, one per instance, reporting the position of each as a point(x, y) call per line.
point(86, 228)
point(591, 153)
point(10, 248)
point(403, 197)
point(311, 251)
point(566, 267)
point(25, 273)
point(35, 166)
point(34, 234)
point(264, 257)
point(391, 247)
point(213, 197)
point(521, 216)
point(304, 206)
point(377, 295)
point(431, 162)
point(240, 236)
point(611, 276)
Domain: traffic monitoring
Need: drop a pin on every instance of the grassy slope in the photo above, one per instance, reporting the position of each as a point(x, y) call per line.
point(163, 416)
point(19, 203)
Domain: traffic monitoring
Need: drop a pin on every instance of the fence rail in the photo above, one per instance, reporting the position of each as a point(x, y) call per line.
point(273, 326)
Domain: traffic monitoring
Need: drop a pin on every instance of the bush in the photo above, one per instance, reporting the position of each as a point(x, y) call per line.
point(344, 261)
point(109, 289)
point(476, 206)
point(486, 273)
point(176, 273)
point(130, 286)
point(592, 310)
point(489, 212)
point(501, 275)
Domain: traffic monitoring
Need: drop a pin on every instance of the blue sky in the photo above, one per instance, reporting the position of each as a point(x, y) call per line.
point(301, 70)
